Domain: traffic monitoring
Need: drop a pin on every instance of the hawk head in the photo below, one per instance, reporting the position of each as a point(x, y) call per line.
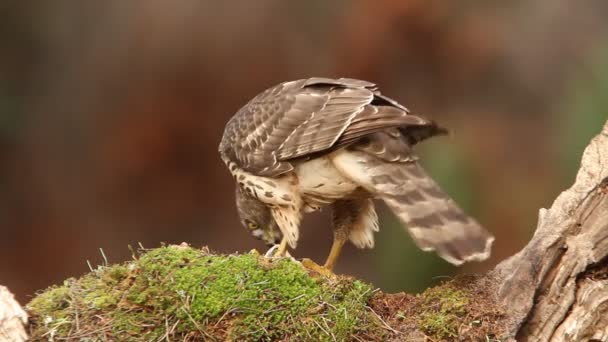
point(256, 218)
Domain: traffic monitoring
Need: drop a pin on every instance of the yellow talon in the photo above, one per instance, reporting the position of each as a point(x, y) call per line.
point(313, 266)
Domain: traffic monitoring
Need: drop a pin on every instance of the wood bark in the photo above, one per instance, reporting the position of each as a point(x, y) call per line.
point(12, 318)
point(556, 288)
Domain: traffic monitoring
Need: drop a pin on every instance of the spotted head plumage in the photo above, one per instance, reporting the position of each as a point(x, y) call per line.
point(256, 217)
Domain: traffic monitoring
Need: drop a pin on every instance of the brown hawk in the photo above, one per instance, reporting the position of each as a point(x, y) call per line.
point(304, 144)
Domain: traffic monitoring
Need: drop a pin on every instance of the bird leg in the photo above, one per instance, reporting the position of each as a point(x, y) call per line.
point(340, 237)
point(343, 216)
point(344, 213)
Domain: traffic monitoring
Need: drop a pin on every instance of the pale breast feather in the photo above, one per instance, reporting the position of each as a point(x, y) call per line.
point(320, 183)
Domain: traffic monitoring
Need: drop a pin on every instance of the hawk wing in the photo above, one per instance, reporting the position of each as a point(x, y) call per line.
point(306, 117)
point(433, 219)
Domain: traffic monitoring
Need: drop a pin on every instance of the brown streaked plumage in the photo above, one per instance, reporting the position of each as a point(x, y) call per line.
point(308, 143)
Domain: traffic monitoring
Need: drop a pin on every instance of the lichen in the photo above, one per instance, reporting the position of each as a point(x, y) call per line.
point(178, 292)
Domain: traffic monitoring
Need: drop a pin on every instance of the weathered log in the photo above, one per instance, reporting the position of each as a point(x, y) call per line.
point(556, 288)
point(12, 318)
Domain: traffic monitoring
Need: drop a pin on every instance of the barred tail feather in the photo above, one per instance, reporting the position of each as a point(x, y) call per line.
point(433, 220)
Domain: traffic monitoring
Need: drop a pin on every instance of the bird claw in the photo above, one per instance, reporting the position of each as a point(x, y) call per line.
point(313, 266)
point(270, 253)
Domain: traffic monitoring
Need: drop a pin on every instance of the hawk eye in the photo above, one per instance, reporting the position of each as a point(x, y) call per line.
point(252, 225)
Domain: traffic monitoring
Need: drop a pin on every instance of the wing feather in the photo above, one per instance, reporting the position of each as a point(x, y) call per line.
point(432, 218)
point(305, 117)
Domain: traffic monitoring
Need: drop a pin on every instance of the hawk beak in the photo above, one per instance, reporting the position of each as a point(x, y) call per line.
point(270, 239)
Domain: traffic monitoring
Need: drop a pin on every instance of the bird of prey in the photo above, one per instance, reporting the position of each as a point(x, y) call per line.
point(315, 142)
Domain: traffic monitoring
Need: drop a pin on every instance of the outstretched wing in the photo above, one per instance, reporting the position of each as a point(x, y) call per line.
point(300, 118)
point(433, 219)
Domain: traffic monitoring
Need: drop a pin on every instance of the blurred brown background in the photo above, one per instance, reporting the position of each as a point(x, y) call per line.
point(111, 113)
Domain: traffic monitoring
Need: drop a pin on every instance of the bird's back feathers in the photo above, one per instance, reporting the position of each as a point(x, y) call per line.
point(309, 117)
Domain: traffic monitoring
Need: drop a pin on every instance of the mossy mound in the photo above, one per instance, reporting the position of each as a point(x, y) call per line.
point(185, 294)
point(462, 309)
point(181, 293)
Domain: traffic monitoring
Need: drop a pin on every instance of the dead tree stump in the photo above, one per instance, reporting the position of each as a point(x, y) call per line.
point(556, 288)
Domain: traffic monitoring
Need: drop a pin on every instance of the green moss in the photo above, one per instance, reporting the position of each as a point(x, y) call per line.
point(443, 309)
point(54, 306)
point(351, 310)
point(184, 293)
